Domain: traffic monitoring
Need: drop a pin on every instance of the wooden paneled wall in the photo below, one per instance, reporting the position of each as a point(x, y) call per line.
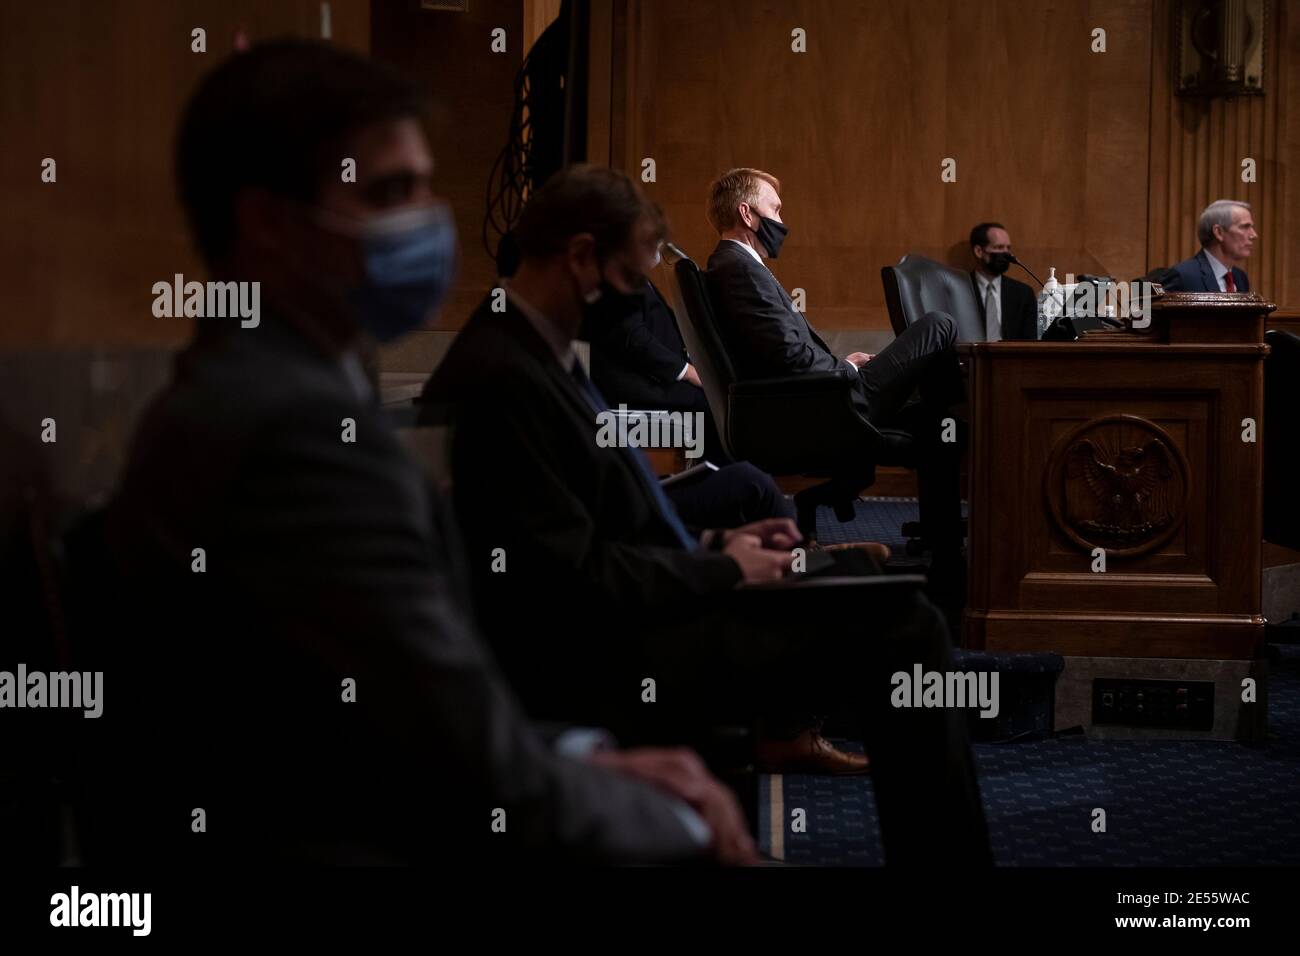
point(1070, 148)
point(1197, 148)
point(449, 56)
point(98, 87)
point(538, 15)
point(1089, 158)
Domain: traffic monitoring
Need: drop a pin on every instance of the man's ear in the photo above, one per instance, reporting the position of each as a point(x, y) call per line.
point(580, 253)
point(581, 247)
point(745, 213)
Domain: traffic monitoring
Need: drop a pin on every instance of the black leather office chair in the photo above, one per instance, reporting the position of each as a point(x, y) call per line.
point(917, 285)
point(791, 425)
point(1281, 439)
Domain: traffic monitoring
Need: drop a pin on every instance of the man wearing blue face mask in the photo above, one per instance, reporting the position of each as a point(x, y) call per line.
point(296, 658)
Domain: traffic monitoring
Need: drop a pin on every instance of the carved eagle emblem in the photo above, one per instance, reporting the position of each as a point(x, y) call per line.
point(1124, 504)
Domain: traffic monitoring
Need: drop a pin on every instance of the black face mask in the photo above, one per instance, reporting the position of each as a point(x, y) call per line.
point(999, 262)
point(771, 234)
point(612, 305)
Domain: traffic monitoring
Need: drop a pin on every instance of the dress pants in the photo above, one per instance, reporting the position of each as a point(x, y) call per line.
point(733, 495)
point(813, 649)
point(913, 385)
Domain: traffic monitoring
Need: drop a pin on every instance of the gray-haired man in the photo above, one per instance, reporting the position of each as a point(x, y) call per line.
point(1227, 235)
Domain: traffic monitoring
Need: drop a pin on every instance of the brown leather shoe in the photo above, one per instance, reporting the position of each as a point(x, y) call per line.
point(810, 752)
point(877, 550)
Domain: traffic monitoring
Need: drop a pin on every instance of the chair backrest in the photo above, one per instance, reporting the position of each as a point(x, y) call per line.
point(918, 285)
point(1281, 438)
point(699, 328)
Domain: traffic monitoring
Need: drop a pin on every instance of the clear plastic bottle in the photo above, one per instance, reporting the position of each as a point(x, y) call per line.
point(1049, 302)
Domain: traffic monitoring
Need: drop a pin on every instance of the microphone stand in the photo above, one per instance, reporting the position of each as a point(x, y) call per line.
point(1105, 319)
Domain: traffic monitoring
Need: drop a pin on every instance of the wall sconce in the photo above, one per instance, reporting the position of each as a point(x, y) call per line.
point(1220, 46)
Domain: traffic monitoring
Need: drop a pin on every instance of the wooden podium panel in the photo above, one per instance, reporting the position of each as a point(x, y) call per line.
point(1130, 445)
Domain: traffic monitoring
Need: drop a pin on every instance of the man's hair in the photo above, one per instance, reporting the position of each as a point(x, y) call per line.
point(581, 198)
point(277, 117)
point(731, 189)
point(979, 236)
point(1217, 213)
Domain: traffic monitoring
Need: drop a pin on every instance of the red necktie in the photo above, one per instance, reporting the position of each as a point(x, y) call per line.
point(1229, 282)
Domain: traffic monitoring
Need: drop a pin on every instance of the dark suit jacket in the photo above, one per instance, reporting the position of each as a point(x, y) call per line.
point(322, 566)
point(1197, 275)
point(761, 329)
point(636, 358)
point(583, 541)
point(1019, 308)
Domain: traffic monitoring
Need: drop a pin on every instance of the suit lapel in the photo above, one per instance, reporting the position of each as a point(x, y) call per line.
point(726, 247)
point(979, 298)
point(1207, 272)
point(583, 415)
point(1012, 307)
point(789, 304)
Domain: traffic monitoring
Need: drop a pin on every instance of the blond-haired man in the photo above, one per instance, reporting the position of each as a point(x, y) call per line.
point(767, 336)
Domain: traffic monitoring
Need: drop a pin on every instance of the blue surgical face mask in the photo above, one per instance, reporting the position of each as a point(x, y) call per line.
point(409, 261)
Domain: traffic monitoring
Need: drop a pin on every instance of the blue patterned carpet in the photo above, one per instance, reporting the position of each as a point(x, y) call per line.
point(1167, 803)
point(877, 519)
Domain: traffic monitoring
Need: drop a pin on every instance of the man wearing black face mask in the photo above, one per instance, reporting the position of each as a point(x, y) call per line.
point(912, 384)
point(1010, 307)
point(560, 524)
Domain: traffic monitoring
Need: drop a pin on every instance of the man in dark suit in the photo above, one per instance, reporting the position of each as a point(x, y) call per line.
point(1227, 234)
point(658, 634)
point(297, 675)
point(1010, 307)
point(767, 336)
point(638, 359)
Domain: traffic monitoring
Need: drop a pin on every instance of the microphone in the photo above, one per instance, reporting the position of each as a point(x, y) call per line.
point(1105, 320)
point(1012, 257)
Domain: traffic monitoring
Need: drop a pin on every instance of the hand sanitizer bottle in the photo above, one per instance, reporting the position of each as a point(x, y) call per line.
point(1049, 302)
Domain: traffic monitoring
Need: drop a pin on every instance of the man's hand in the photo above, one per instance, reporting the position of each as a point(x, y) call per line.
point(692, 376)
point(779, 533)
point(858, 359)
point(681, 773)
point(757, 563)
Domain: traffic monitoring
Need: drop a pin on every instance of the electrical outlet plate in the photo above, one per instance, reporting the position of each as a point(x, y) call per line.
point(1176, 704)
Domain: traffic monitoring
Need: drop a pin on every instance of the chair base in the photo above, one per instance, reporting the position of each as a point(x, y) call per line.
point(838, 493)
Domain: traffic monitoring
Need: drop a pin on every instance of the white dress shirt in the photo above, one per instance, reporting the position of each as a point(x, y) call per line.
point(1220, 270)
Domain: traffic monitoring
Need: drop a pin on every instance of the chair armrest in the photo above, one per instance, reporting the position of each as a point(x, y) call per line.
point(877, 587)
point(800, 424)
point(813, 383)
